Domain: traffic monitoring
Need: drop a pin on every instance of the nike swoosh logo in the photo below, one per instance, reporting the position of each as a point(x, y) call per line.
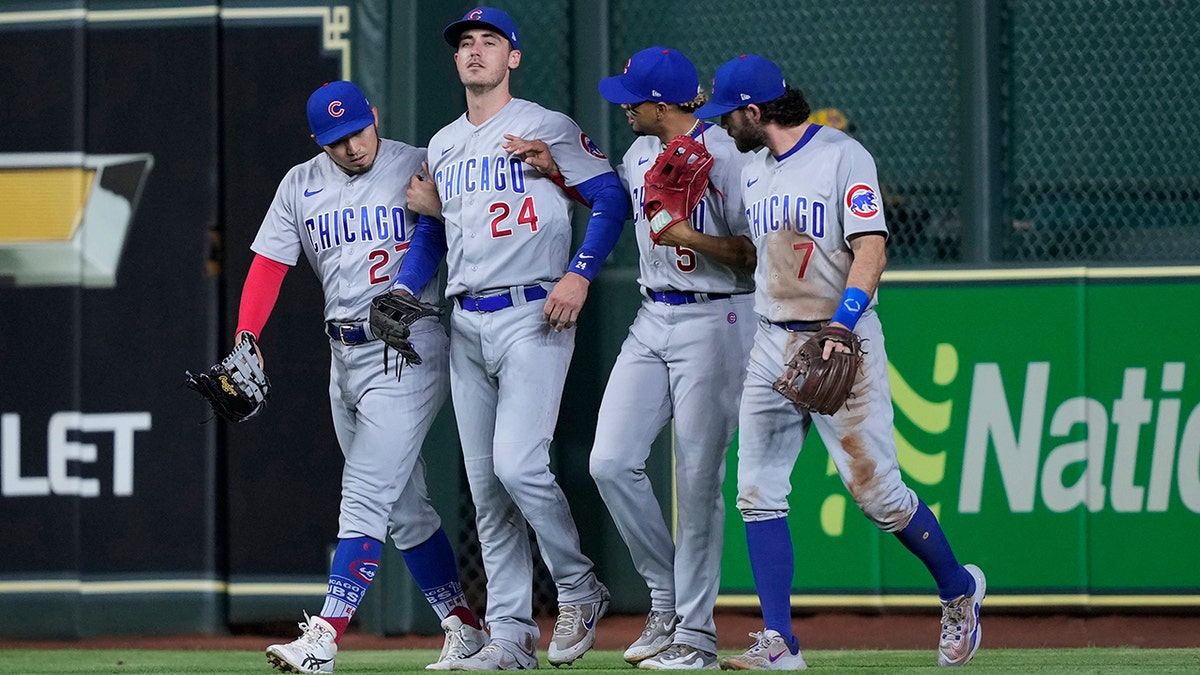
point(642, 160)
point(584, 256)
point(775, 657)
point(751, 182)
point(309, 193)
point(445, 150)
point(590, 624)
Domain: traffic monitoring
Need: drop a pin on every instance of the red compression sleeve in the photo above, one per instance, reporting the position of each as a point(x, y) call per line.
point(259, 294)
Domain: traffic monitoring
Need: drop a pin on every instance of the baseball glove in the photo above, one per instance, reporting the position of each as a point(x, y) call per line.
point(236, 388)
point(818, 384)
point(392, 314)
point(676, 183)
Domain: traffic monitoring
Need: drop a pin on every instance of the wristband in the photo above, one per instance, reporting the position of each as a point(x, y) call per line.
point(854, 303)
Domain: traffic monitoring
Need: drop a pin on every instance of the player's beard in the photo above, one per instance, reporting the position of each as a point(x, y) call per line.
point(749, 137)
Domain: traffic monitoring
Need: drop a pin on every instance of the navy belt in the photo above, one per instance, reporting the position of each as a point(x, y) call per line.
point(684, 297)
point(348, 333)
point(800, 326)
point(499, 301)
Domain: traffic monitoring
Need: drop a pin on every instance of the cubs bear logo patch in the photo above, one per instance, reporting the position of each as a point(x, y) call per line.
point(862, 201)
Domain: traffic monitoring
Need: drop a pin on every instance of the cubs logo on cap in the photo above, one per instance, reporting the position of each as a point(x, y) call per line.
point(653, 74)
point(336, 110)
point(741, 81)
point(483, 17)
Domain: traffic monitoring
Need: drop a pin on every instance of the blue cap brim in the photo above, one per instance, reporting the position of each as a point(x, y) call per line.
point(335, 134)
point(614, 91)
point(714, 109)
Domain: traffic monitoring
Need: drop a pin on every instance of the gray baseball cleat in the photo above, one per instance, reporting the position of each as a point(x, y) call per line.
point(500, 655)
point(655, 637)
point(575, 629)
point(961, 631)
point(461, 641)
point(681, 657)
point(769, 652)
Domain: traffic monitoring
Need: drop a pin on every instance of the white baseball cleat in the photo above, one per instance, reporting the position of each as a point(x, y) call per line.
point(313, 652)
point(500, 655)
point(681, 657)
point(769, 652)
point(461, 641)
point(961, 631)
point(656, 636)
point(575, 629)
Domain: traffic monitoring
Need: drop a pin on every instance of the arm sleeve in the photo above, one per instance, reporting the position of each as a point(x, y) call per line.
point(425, 253)
point(610, 209)
point(259, 293)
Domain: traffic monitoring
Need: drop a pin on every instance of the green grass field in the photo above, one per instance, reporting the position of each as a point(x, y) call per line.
point(162, 662)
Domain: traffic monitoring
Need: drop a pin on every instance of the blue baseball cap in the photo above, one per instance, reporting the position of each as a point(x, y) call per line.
point(739, 82)
point(483, 17)
point(654, 74)
point(336, 110)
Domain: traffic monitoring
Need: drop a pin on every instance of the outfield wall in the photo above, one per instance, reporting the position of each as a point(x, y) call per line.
point(1046, 414)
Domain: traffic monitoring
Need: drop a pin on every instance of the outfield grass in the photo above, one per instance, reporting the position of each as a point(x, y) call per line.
point(162, 662)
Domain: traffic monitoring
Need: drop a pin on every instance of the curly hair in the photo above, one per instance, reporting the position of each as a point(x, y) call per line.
point(692, 105)
point(790, 109)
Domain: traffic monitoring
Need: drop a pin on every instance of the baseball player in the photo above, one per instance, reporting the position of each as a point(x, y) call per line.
point(812, 201)
point(345, 210)
point(517, 295)
point(684, 359)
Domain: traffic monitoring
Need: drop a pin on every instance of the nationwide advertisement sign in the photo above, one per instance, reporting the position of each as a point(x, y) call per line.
point(1051, 419)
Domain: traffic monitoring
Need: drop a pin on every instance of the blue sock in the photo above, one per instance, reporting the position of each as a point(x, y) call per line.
point(433, 567)
point(773, 564)
point(925, 538)
point(354, 564)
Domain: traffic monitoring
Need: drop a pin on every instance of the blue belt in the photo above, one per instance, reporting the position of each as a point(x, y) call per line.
point(348, 333)
point(800, 326)
point(499, 301)
point(684, 297)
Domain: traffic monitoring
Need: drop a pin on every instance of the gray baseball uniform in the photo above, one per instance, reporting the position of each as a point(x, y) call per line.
point(684, 359)
point(354, 230)
point(803, 207)
point(508, 234)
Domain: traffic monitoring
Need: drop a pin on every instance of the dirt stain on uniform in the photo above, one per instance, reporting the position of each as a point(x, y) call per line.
point(791, 259)
point(862, 467)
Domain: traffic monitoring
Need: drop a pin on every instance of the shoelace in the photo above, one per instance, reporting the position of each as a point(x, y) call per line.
point(652, 624)
point(568, 615)
point(953, 619)
point(312, 633)
point(761, 641)
point(674, 652)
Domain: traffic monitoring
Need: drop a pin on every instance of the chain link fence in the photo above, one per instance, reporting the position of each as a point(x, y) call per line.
point(1100, 134)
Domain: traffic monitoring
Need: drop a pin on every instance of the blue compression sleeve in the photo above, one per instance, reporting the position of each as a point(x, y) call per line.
point(610, 209)
point(925, 538)
point(425, 252)
point(772, 563)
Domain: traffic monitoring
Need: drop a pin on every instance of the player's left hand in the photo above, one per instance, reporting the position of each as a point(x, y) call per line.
point(832, 346)
point(534, 152)
point(422, 194)
point(566, 300)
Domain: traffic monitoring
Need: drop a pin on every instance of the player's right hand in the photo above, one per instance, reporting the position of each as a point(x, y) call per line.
point(535, 153)
point(422, 194)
